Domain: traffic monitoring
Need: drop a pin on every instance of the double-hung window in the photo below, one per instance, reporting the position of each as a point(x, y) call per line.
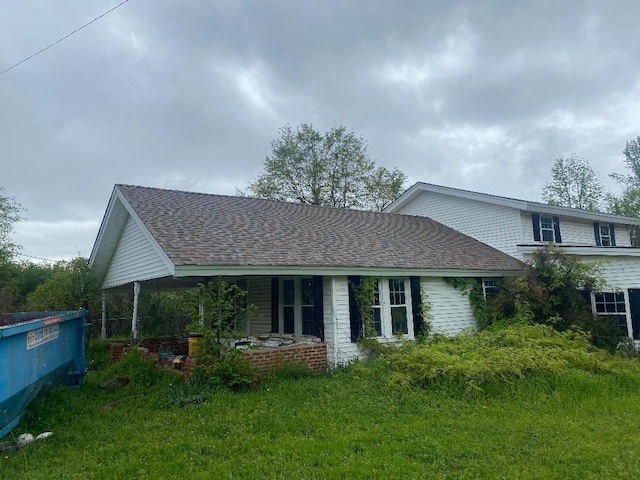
point(612, 305)
point(546, 228)
point(605, 235)
point(391, 307)
point(489, 287)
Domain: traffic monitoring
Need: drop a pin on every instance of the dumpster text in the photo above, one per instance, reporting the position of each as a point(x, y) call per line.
point(42, 335)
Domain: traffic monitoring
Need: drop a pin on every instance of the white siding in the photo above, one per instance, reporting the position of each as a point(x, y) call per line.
point(450, 308)
point(619, 272)
point(337, 323)
point(494, 225)
point(135, 259)
point(574, 231)
point(260, 296)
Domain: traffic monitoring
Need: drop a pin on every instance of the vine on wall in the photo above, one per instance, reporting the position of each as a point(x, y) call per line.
point(473, 289)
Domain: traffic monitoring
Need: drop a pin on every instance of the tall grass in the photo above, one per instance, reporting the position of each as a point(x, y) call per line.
point(575, 420)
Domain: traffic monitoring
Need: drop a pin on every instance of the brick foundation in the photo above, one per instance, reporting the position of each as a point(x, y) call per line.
point(266, 360)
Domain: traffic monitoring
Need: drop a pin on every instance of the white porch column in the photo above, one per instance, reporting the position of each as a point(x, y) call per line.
point(201, 309)
point(134, 319)
point(103, 328)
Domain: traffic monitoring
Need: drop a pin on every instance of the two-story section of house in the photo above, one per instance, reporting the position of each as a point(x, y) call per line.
point(517, 227)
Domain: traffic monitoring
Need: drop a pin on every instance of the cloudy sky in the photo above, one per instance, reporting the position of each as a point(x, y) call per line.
point(189, 94)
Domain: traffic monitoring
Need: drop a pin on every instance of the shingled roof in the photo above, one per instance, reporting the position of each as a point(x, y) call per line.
point(204, 229)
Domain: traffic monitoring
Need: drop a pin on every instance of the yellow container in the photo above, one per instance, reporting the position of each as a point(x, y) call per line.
point(196, 344)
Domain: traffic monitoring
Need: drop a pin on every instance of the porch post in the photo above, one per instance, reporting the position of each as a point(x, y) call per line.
point(103, 329)
point(134, 319)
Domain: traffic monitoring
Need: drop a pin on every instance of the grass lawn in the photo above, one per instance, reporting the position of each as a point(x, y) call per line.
point(572, 425)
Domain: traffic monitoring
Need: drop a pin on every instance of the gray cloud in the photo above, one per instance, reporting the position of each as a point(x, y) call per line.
point(189, 94)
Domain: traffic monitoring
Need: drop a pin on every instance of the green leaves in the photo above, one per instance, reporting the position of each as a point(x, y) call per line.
point(332, 170)
point(575, 184)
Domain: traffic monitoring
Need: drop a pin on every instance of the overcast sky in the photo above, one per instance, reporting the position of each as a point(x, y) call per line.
point(188, 94)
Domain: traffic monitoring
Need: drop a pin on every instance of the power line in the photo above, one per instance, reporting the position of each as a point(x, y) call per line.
point(33, 256)
point(63, 38)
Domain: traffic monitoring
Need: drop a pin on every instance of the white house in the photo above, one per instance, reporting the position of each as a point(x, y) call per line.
point(297, 262)
point(517, 227)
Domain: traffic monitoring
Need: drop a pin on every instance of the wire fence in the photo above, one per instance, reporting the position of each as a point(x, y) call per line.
point(120, 328)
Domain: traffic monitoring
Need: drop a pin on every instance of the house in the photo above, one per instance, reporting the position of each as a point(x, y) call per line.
point(518, 227)
point(297, 262)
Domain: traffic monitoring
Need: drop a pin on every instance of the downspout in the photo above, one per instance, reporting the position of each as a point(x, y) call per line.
point(134, 320)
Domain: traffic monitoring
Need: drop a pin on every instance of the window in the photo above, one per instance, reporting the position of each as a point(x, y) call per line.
point(392, 307)
point(297, 313)
point(489, 287)
point(604, 234)
point(612, 304)
point(546, 229)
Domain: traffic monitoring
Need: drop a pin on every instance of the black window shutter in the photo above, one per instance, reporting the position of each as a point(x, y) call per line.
point(317, 328)
point(416, 301)
point(354, 312)
point(612, 232)
point(596, 232)
point(556, 229)
point(535, 217)
point(275, 309)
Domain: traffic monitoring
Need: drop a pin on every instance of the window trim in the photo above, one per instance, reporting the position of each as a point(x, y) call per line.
point(485, 287)
point(386, 306)
point(626, 313)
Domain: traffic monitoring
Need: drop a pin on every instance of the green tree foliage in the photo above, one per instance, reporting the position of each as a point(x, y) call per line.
point(628, 203)
point(574, 184)
point(72, 285)
point(9, 215)
point(332, 170)
point(225, 312)
point(552, 291)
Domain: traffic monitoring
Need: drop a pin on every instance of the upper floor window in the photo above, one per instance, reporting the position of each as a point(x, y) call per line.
point(604, 233)
point(546, 228)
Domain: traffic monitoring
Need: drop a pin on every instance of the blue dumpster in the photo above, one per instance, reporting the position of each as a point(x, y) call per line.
point(36, 350)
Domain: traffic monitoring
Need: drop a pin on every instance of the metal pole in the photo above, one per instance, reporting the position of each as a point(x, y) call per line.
point(134, 320)
point(103, 329)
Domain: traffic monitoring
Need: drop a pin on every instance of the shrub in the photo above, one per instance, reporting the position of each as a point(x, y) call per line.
point(232, 371)
point(497, 357)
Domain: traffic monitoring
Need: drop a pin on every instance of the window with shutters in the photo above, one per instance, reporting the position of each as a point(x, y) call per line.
point(604, 234)
point(297, 307)
point(546, 229)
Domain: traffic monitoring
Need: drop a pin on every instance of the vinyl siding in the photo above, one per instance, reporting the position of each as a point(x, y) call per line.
point(619, 272)
point(260, 296)
point(336, 316)
point(450, 308)
point(574, 232)
point(135, 259)
point(494, 225)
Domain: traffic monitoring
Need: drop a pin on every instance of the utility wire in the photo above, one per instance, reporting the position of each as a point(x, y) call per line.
point(63, 38)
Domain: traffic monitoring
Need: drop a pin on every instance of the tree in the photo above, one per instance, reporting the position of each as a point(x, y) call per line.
point(72, 285)
point(332, 170)
point(628, 203)
point(9, 215)
point(575, 184)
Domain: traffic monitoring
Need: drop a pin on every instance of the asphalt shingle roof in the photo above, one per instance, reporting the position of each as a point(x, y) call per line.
point(205, 229)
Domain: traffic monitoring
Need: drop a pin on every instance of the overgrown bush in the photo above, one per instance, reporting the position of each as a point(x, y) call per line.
point(553, 292)
point(496, 357)
point(141, 371)
point(231, 371)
